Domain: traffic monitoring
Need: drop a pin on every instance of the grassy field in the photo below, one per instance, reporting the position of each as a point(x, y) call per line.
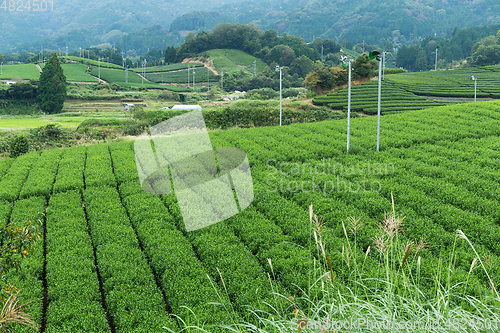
point(116, 75)
point(23, 71)
point(233, 61)
point(134, 80)
point(201, 75)
point(17, 123)
point(92, 62)
point(77, 72)
point(168, 68)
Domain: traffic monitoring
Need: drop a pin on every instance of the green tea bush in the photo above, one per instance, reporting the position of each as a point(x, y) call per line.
point(19, 146)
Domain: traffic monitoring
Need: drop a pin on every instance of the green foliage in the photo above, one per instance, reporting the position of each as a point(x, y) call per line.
point(364, 98)
point(486, 51)
point(182, 275)
point(233, 61)
point(72, 285)
point(324, 78)
point(91, 62)
point(442, 173)
point(247, 113)
point(263, 93)
point(98, 167)
point(201, 75)
point(125, 272)
point(78, 72)
point(52, 86)
point(168, 68)
point(19, 146)
point(41, 177)
point(170, 55)
point(70, 170)
point(143, 38)
point(462, 44)
point(19, 238)
point(365, 66)
point(23, 71)
point(302, 66)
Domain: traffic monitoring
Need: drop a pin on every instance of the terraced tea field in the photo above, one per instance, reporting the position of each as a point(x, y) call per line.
point(415, 91)
point(114, 258)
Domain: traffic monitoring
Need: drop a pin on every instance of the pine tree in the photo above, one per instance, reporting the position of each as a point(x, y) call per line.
point(52, 86)
point(170, 55)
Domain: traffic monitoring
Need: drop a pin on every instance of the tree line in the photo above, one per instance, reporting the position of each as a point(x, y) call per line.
point(478, 45)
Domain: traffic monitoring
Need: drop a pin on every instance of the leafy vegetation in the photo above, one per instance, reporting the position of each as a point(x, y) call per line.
point(233, 61)
point(441, 175)
point(52, 86)
point(77, 72)
point(92, 62)
point(22, 71)
point(19, 146)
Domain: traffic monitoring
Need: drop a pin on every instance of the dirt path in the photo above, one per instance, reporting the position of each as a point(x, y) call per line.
point(39, 68)
point(87, 82)
point(143, 76)
point(205, 63)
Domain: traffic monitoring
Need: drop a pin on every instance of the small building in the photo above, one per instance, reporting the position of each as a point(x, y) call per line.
point(129, 107)
point(186, 107)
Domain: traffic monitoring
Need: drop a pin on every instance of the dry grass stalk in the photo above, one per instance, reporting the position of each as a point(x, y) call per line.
point(12, 313)
point(474, 262)
point(408, 250)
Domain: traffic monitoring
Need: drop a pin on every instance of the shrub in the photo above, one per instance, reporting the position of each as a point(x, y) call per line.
point(19, 146)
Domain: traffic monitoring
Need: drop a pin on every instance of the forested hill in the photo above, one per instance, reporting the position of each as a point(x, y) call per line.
point(374, 21)
point(139, 26)
point(20, 24)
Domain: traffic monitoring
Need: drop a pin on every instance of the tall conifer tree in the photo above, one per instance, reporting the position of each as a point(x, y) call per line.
point(52, 86)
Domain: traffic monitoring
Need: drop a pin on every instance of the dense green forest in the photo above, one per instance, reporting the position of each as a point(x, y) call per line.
point(136, 27)
point(104, 20)
point(479, 45)
point(398, 21)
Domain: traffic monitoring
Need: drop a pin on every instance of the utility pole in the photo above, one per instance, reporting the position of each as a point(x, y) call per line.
point(194, 84)
point(208, 78)
point(221, 84)
point(99, 61)
point(188, 76)
point(378, 104)
point(279, 69)
point(475, 86)
point(321, 53)
point(436, 66)
point(254, 68)
point(126, 73)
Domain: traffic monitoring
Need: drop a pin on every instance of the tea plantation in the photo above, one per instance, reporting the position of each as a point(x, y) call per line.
point(114, 258)
point(416, 91)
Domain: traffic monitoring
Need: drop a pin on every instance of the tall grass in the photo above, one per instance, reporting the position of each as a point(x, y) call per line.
point(398, 298)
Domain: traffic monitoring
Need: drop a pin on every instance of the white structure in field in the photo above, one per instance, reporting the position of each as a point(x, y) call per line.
point(186, 107)
point(128, 107)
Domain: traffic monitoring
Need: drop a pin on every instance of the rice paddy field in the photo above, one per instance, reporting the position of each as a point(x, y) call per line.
point(114, 258)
